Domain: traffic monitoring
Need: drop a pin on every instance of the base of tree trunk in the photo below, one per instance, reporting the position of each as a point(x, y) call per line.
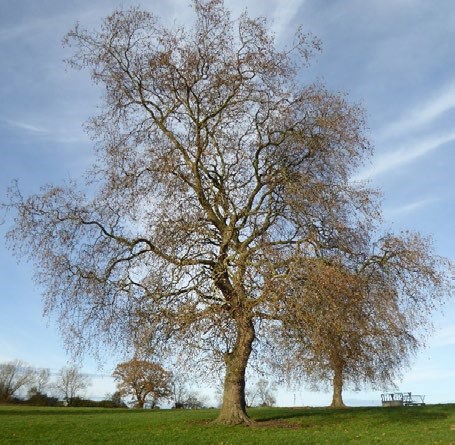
point(338, 405)
point(233, 418)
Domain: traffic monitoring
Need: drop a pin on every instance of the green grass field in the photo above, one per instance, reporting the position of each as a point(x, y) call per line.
point(433, 424)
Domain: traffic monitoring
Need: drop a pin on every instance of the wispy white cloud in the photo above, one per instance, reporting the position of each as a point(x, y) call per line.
point(280, 14)
point(417, 119)
point(25, 126)
point(410, 207)
point(61, 133)
point(423, 114)
point(284, 14)
point(404, 155)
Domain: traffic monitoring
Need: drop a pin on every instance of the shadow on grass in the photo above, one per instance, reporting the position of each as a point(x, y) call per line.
point(404, 415)
point(305, 416)
point(413, 414)
point(288, 413)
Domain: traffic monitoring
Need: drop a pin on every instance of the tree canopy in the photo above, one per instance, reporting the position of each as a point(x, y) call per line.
point(217, 170)
point(358, 322)
point(143, 381)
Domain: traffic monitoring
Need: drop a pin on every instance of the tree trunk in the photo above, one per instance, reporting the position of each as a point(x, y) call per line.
point(139, 402)
point(233, 410)
point(337, 400)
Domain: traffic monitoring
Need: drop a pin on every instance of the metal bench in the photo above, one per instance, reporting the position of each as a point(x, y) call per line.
point(402, 399)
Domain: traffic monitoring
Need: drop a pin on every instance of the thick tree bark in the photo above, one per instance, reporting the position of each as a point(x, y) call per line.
point(337, 399)
point(140, 401)
point(233, 410)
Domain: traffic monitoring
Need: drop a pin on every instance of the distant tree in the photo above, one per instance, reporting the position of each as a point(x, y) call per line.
point(180, 390)
point(265, 394)
point(70, 382)
point(195, 401)
point(39, 399)
point(116, 399)
point(40, 382)
point(359, 318)
point(14, 376)
point(183, 395)
point(261, 394)
point(144, 381)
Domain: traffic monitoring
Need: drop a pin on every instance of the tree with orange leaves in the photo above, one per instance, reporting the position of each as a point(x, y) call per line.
point(143, 381)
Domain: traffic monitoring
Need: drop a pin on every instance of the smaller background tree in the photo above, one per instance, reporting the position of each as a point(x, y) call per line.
point(261, 394)
point(70, 382)
point(14, 376)
point(184, 397)
point(40, 383)
point(357, 320)
point(143, 381)
point(116, 399)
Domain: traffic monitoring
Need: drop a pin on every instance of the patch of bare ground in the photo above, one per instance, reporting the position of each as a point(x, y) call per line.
point(276, 423)
point(273, 423)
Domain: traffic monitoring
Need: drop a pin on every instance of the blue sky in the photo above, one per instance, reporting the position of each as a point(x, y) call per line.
point(396, 57)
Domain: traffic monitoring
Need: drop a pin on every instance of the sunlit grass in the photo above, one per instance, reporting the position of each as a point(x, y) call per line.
point(433, 424)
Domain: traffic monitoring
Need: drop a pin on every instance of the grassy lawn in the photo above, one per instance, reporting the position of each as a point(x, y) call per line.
point(433, 424)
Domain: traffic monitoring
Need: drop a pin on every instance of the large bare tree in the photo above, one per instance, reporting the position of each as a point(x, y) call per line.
point(216, 170)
